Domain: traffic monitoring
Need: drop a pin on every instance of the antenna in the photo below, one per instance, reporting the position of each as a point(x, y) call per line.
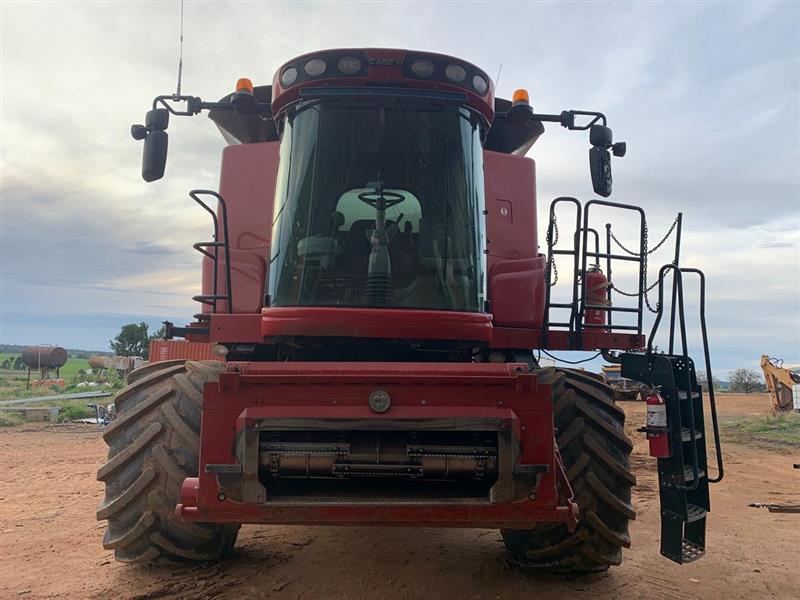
point(180, 59)
point(497, 79)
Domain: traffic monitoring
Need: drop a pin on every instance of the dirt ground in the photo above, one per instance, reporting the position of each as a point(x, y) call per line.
point(50, 543)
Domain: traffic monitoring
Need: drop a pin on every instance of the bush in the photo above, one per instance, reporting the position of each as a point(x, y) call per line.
point(74, 412)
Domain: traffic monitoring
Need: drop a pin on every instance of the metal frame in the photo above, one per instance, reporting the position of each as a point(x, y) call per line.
point(531, 486)
point(580, 254)
point(216, 244)
point(677, 311)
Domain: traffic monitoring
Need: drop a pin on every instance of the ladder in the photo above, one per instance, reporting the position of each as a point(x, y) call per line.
point(211, 251)
point(683, 478)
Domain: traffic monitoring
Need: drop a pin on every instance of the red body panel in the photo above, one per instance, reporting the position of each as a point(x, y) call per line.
point(463, 395)
point(516, 269)
point(247, 182)
point(375, 323)
point(161, 350)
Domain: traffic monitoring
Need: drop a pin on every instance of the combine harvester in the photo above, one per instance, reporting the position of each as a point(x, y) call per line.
point(375, 288)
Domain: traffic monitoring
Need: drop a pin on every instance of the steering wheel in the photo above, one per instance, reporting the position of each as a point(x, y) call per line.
point(378, 196)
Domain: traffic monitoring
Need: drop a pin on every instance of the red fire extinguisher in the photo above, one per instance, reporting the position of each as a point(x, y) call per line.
point(656, 428)
point(595, 284)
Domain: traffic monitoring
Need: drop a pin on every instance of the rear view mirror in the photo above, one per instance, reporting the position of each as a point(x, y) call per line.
point(600, 168)
point(154, 153)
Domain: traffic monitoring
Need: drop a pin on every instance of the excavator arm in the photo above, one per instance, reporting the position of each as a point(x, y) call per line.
point(780, 383)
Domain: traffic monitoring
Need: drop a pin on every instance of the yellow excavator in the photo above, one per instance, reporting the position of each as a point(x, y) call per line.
point(783, 384)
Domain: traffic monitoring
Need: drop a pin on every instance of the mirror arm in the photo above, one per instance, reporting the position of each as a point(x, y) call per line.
point(195, 105)
point(567, 119)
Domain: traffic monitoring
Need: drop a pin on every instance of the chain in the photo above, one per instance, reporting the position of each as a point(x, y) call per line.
point(654, 248)
point(552, 259)
point(634, 294)
point(644, 254)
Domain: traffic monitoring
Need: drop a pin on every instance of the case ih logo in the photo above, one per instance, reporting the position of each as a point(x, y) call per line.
point(386, 62)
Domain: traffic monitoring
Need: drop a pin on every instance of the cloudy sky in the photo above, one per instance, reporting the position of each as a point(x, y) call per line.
point(706, 94)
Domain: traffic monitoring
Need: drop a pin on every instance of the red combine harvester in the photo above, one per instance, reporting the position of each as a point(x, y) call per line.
point(376, 289)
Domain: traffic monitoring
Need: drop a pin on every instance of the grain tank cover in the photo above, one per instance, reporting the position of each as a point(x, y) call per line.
point(51, 357)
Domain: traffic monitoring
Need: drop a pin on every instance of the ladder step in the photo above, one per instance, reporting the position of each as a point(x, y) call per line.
point(695, 513)
point(687, 437)
point(688, 473)
point(690, 551)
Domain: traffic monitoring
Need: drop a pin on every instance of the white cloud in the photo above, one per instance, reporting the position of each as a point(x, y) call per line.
point(706, 95)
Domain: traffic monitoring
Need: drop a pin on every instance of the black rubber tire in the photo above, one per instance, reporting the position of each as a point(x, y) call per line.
point(153, 445)
point(596, 452)
point(150, 368)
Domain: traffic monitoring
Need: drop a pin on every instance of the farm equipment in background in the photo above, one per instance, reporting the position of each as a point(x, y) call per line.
point(783, 384)
point(624, 389)
point(379, 323)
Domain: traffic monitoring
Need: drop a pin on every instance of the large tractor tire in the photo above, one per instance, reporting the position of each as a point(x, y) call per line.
point(595, 452)
point(154, 444)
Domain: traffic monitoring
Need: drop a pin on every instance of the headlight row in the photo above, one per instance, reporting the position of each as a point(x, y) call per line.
point(415, 66)
point(450, 71)
point(347, 65)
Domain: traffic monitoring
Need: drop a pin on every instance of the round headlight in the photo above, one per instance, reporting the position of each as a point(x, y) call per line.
point(315, 67)
point(480, 85)
point(289, 76)
point(349, 65)
point(455, 73)
point(422, 68)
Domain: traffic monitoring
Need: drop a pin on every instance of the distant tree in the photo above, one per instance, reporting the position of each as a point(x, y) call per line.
point(160, 333)
point(19, 365)
point(132, 340)
point(702, 379)
point(744, 381)
point(6, 364)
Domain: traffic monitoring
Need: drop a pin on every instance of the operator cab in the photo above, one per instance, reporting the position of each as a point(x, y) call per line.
point(379, 203)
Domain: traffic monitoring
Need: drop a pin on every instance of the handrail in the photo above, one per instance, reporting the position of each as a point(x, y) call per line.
point(550, 259)
point(678, 287)
point(707, 358)
point(216, 244)
point(682, 321)
point(608, 256)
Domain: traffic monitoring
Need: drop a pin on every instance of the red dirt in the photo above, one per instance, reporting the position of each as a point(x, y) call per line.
point(50, 544)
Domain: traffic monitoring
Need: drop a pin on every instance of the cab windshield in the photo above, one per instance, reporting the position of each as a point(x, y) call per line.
point(379, 204)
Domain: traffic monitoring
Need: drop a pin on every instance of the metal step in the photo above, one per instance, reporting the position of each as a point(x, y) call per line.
point(688, 473)
point(690, 551)
point(686, 436)
point(695, 513)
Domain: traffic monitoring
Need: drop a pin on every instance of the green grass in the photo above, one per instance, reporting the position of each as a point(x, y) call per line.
point(70, 410)
point(71, 368)
point(7, 419)
point(780, 432)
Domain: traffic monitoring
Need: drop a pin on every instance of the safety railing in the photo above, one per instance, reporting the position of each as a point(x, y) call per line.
point(678, 313)
point(583, 256)
point(211, 251)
